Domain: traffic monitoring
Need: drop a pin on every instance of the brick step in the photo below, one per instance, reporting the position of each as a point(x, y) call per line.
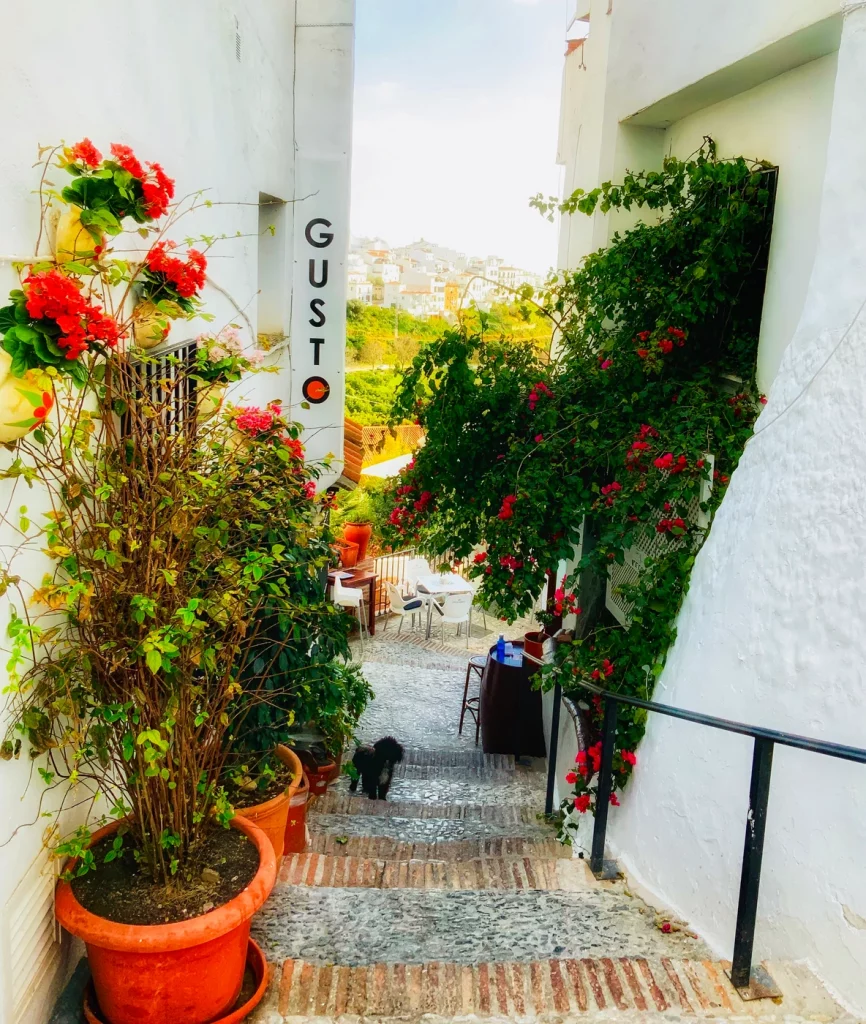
point(337, 803)
point(455, 759)
point(383, 848)
point(313, 869)
point(662, 989)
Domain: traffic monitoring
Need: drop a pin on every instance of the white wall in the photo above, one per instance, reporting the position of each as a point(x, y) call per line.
point(164, 78)
point(772, 629)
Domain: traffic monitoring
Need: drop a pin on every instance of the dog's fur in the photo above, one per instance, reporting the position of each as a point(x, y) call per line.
point(375, 765)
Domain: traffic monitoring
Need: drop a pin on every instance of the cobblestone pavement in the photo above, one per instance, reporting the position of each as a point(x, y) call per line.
point(452, 900)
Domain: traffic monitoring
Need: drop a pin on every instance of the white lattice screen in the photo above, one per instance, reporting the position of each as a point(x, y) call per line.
point(650, 544)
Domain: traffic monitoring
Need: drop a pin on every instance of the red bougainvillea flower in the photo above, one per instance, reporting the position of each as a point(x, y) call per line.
point(539, 438)
point(762, 399)
point(666, 345)
point(677, 333)
point(295, 447)
point(643, 352)
point(480, 557)
point(614, 799)
point(187, 277)
point(310, 488)
point(571, 778)
point(674, 526)
point(644, 335)
point(124, 156)
point(507, 510)
point(86, 153)
point(51, 295)
point(582, 803)
point(629, 757)
point(646, 431)
point(665, 927)
point(158, 190)
point(720, 477)
point(254, 421)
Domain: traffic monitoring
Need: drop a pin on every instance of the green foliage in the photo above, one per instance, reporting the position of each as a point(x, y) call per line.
point(370, 334)
point(370, 395)
point(655, 375)
point(32, 342)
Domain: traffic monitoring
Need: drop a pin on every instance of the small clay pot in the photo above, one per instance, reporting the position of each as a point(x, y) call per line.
point(348, 554)
point(533, 644)
point(272, 816)
point(296, 825)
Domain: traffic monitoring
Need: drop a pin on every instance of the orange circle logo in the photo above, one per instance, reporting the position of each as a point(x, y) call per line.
point(316, 390)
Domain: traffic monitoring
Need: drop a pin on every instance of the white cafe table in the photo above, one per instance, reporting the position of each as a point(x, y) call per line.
point(440, 585)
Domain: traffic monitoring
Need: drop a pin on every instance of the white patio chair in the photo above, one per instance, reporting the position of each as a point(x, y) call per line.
point(475, 584)
point(350, 597)
point(402, 606)
point(455, 609)
point(416, 567)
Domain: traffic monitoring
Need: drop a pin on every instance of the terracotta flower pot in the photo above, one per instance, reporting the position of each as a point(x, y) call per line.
point(321, 778)
point(257, 966)
point(186, 972)
point(296, 826)
point(150, 325)
point(348, 554)
point(24, 401)
point(72, 240)
point(272, 816)
point(209, 401)
point(533, 644)
point(360, 534)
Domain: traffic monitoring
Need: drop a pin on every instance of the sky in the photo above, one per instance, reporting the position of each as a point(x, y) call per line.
point(456, 118)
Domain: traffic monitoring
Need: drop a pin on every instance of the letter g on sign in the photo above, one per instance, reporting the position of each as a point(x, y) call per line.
point(324, 238)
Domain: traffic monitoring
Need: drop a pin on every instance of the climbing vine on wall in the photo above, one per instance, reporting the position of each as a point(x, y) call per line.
point(625, 440)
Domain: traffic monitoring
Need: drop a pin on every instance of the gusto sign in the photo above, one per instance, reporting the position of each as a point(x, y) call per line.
point(318, 235)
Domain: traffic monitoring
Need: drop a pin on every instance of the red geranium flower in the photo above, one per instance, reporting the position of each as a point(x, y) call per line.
point(124, 156)
point(571, 778)
point(86, 153)
point(480, 557)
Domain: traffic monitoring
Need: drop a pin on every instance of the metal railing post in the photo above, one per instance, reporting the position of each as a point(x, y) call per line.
point(602, 800)
point(553, 748)
point(750, 879)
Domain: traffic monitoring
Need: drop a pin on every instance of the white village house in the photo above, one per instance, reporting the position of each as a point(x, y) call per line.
point(252, 102)
point(771, 631)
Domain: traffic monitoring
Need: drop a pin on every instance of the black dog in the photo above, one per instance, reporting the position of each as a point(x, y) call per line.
point(375, 766)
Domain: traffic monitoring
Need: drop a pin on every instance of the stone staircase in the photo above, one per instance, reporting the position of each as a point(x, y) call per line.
point(453, 899)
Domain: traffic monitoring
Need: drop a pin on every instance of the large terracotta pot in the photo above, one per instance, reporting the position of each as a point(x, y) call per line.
point(24, 401)
point(360, 534)
point(187, 972)
point(296, 825)
point(72, 240)
point(272, 816)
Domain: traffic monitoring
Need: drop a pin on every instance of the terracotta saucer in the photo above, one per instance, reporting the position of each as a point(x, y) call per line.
point(256, 976)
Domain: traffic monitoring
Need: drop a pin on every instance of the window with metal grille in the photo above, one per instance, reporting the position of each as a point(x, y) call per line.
point(163, 378)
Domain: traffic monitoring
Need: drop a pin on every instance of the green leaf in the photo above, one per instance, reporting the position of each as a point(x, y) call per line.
point(154, 661)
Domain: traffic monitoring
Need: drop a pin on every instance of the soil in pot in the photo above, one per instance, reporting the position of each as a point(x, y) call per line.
point(221, 868)
point(242, 798)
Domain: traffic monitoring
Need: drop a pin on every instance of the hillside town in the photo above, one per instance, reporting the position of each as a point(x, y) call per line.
point(426, 279)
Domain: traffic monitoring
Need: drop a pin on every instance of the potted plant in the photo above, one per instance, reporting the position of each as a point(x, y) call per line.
point(102, 194)
point(134, 663)
point(264, 794)
point(169, 288)
point(220, 360)
point(47, 329)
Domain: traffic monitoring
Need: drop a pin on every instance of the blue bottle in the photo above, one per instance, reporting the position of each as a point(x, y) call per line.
point(500, 648)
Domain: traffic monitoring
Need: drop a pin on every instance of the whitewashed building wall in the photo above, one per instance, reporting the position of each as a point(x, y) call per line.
point(772, 631)
point(232, 96)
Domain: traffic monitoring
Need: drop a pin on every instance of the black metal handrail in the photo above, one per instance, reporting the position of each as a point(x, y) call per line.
point(742, 974)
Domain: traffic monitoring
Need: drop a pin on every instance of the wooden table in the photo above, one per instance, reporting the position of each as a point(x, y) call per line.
point(361, 578)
